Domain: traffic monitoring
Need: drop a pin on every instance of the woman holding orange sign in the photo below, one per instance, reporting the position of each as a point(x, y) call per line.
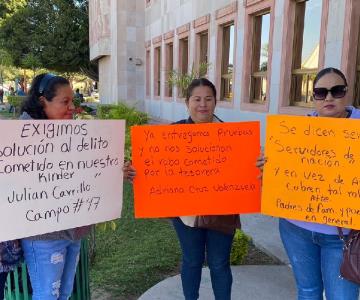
point(316, 250)
point(212, 235)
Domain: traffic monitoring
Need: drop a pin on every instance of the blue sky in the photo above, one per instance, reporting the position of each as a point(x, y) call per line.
point(231, 53)
point(312, 27)
point(265, 34)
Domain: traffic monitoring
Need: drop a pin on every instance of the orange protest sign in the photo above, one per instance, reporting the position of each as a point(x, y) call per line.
point(201, 169)
point(312, 172)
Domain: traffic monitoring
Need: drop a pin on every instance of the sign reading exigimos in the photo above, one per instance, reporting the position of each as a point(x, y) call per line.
point(57, 175)
point(312, 172)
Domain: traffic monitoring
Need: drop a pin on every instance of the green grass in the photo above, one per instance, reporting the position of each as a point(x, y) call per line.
point(137, 255)
point(4, 114)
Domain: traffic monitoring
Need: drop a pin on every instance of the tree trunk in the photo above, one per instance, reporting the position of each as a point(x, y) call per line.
point(91, 71)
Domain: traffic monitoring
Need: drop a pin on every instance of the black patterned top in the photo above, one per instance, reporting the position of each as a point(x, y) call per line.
point(10, 255)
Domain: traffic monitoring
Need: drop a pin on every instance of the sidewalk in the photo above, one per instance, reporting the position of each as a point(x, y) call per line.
point(264, 231)
point(249, 282)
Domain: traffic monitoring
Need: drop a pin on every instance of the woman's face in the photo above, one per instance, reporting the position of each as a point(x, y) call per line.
point(61, 106)
point(201, 104)
point(330, 106)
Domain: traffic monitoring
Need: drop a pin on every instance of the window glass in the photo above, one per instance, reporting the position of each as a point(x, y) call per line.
point(227, 62)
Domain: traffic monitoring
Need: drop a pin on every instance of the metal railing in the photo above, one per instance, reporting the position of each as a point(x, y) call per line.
point(18, 286)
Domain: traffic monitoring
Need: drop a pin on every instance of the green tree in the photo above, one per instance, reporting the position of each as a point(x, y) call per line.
point(5, 62)
point(54, 32)
point(182, 81)
point(265, 54)
point(32, 62)
point(9, 7)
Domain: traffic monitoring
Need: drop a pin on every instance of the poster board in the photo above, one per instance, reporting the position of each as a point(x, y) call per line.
point(56, 175)
point(312, 172)
point(194, 169)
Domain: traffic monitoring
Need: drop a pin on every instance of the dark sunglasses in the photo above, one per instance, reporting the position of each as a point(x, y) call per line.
point(337, 91)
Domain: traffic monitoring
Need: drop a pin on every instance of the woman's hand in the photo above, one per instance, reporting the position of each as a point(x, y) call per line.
point(260, 162)
point(129, 171)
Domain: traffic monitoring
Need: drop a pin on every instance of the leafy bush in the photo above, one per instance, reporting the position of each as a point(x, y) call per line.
point(239, 248)
point(77, 101)
point(182, 81)
point(123, 112)
point(16, 101)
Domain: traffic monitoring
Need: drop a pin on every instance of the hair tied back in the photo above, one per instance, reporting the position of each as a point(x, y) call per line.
point(45, 82)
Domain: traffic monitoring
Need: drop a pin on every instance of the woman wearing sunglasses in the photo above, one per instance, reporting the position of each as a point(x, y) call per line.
point(315, 250)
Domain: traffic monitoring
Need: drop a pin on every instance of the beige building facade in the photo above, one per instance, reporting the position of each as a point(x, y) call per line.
point(262, 55)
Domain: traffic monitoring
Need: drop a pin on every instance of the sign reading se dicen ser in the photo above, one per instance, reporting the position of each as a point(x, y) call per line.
point(202, 169)
point(57, 175)
point(312, 172)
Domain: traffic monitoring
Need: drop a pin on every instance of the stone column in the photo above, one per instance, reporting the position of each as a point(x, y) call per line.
point(128, 52)
point(121, 55)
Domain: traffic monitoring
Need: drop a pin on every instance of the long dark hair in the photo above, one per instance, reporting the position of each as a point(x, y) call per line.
point(43, 85)
point(327, 71)
point(199, 82)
